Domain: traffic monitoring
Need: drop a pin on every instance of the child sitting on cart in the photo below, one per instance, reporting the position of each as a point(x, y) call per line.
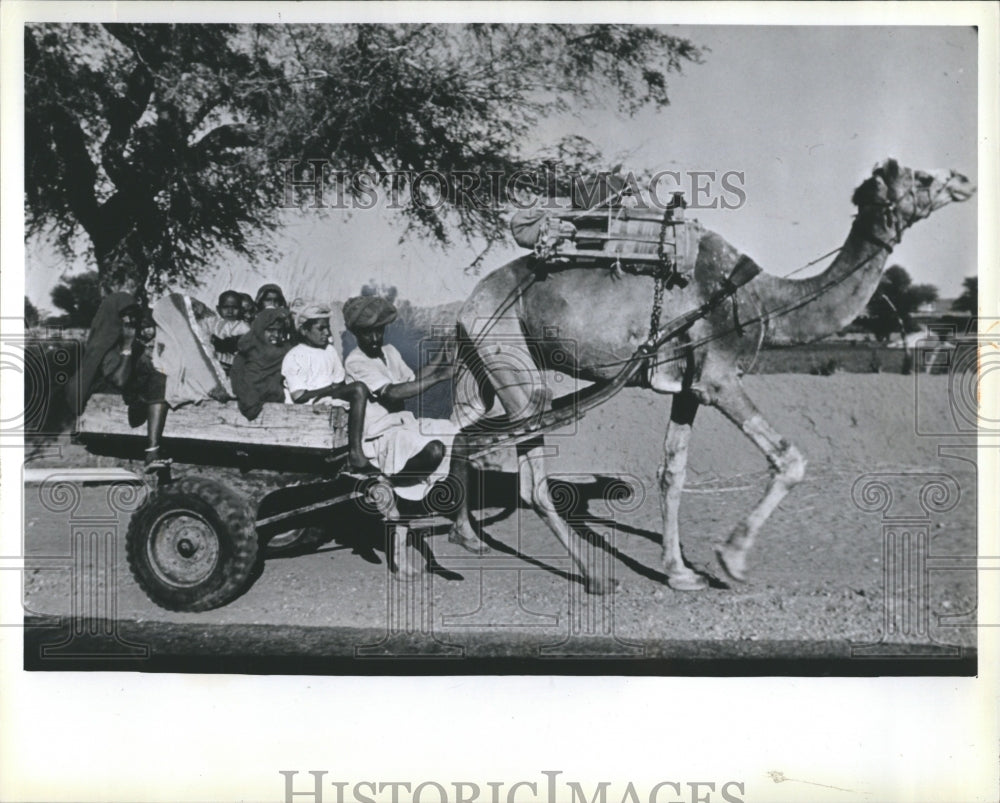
point(270, 296)
point(314, 374)
point(414, 452)
point(228, 328)
point(256, 372)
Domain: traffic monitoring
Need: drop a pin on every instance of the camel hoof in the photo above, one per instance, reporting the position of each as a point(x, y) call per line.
point(405, 575)
point(687, 581)
point(599, 588)
point(473, 545)
point(733, 561)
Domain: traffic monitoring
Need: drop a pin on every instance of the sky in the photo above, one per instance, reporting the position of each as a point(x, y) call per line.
point(803, 113)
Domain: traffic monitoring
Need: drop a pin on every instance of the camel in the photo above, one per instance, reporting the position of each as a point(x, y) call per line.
point(588, 321)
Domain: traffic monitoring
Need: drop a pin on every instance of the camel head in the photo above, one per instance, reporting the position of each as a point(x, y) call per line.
point(897, 197)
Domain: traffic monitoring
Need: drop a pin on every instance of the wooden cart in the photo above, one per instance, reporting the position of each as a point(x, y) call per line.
point(239, 491)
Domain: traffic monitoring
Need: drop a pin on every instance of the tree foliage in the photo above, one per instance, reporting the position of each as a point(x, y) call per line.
point(161, 143)
point(968, 301)
point(891, 308)
point(79, 297)
point(32, 317)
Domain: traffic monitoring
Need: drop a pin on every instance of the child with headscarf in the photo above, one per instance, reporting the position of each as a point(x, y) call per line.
point(270, 296)
point(256, 372)
point(314, 374)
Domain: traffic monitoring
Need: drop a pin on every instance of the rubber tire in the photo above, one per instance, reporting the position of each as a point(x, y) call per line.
point(297, 542)
point(232, 523)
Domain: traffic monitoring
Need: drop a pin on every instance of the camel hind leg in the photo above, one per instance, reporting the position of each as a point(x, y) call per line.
point(473, 402)
point(503, 354)
point(787, 470)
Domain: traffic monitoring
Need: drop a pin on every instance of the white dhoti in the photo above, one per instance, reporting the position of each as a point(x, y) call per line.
point(402, 439)
point(392, 439)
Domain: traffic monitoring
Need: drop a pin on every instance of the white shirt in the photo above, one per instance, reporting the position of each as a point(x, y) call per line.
point(309, 368)
point(378, 374)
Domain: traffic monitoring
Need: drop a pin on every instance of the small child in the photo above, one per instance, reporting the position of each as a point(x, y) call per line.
point(248, 309)
point(313, 371)
point(270, 296)
point(228, 328)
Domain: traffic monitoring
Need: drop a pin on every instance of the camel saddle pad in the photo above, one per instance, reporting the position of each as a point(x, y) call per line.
point(638, 241)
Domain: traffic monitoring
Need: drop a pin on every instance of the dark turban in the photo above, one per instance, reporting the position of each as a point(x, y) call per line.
point(365, 312)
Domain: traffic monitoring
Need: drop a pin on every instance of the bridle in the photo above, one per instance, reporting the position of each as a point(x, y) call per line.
point(893, 218)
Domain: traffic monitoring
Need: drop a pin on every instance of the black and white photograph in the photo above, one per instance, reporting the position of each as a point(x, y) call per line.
point(453, 348)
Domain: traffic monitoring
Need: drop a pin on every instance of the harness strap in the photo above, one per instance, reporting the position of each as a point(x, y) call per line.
point(887, 247)
point(737, 326)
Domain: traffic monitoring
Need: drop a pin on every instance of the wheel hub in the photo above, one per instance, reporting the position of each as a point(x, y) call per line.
point(183, 548)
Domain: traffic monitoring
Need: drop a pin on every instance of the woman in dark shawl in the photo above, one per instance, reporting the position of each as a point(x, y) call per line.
point(99, 355)
point(256, 372)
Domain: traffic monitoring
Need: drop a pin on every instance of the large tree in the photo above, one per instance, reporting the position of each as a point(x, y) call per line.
point(162, 144)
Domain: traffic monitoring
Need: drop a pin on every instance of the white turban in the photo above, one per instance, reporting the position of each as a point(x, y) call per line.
point(307, 310)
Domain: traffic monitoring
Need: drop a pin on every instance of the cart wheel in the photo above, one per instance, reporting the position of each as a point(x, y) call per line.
point(297, 542)
point(192, 546)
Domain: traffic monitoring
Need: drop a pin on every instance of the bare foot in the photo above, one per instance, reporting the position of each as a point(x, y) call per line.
point(472, 543)
point(363, 467)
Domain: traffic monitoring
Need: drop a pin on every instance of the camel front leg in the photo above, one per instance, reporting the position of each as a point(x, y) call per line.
point(671, 476)
point(788, 468)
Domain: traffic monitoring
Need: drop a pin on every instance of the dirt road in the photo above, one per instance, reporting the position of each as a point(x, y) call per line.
point(875, 548)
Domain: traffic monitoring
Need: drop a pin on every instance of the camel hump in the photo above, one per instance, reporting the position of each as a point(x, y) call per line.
point(714, 259)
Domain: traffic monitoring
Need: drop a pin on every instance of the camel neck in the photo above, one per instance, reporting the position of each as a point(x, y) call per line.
point(804, 310)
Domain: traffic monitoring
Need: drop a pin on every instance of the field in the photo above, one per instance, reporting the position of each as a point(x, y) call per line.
point(831, 357)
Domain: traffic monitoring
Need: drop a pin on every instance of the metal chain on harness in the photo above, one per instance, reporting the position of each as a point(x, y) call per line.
point(667, 274)
point(654, 318)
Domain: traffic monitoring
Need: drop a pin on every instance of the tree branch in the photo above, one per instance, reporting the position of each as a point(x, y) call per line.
point(122, 113)
point(224, 137)
point(80, 172)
